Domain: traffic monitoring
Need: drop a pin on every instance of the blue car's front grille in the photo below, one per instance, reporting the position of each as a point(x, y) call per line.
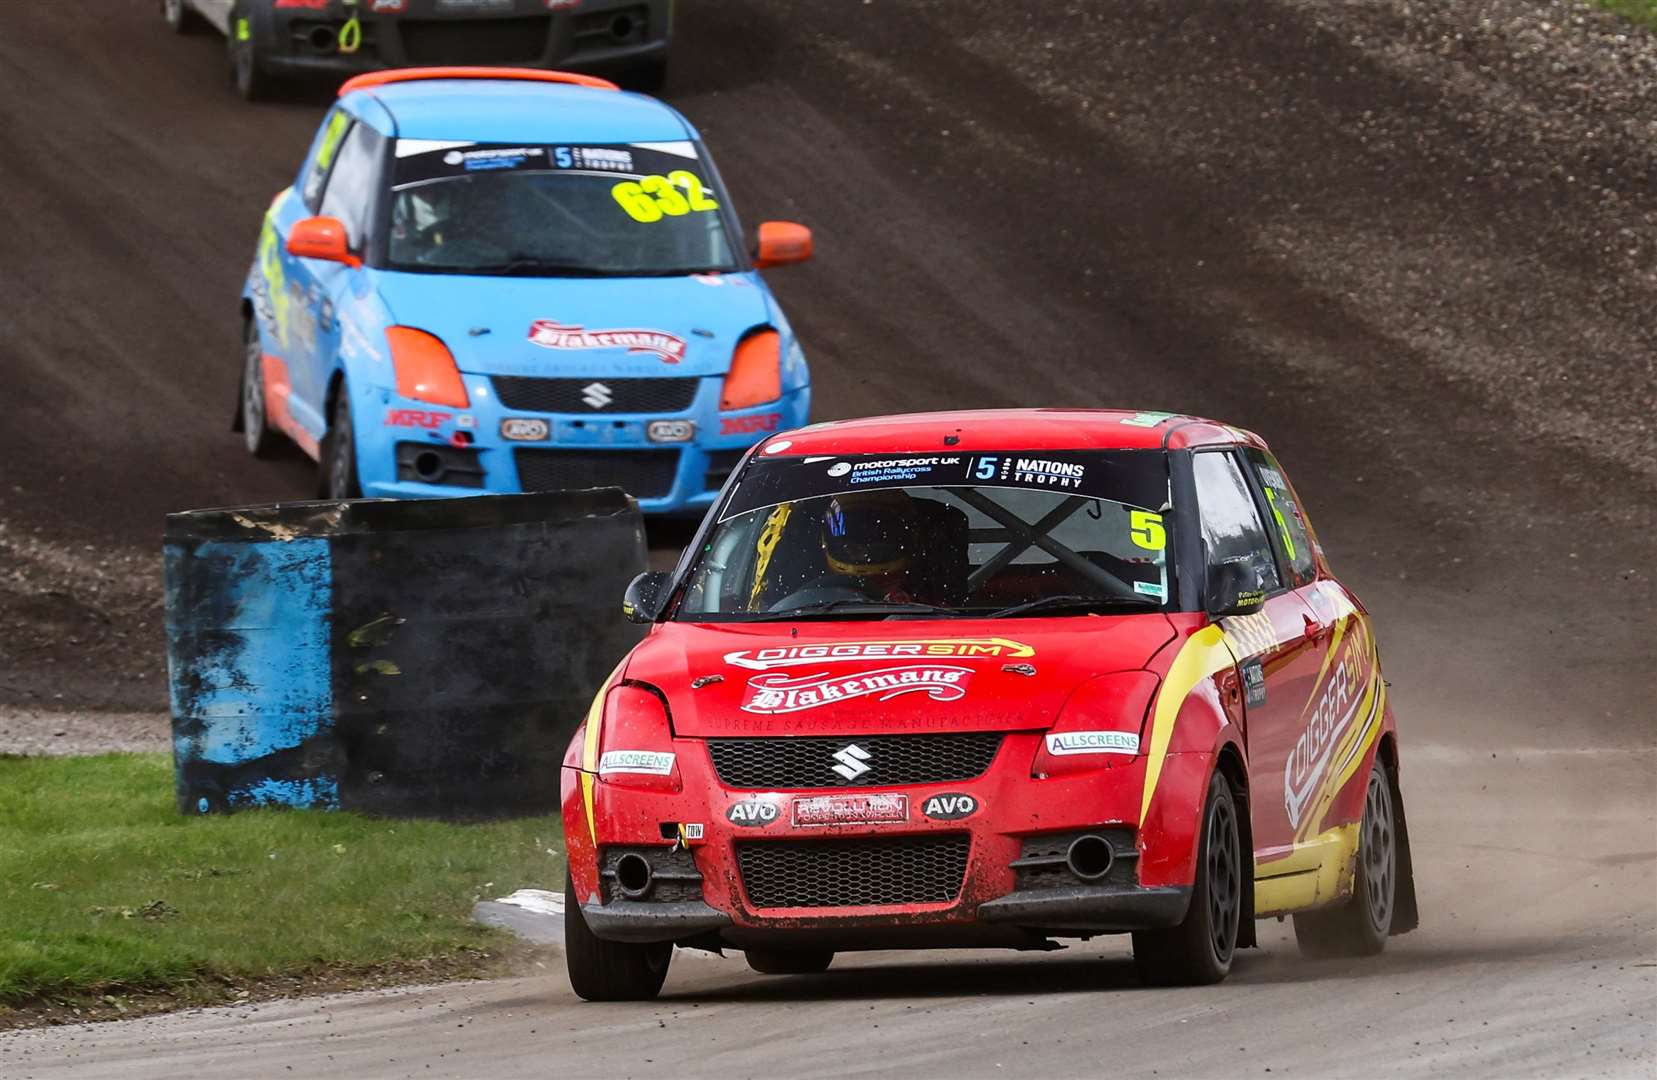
point(643, 474)
point(579, 395)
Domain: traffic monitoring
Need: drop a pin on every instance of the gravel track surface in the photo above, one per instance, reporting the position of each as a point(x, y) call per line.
point(1414, 244)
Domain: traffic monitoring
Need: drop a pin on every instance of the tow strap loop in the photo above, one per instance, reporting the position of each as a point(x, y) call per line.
point(350, 35)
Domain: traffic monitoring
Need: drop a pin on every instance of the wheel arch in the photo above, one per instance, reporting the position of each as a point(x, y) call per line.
point(1228, 762)
point(1406, 914)
point(237, 423)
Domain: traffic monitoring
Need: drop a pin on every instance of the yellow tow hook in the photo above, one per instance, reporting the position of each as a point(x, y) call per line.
point(350, 35)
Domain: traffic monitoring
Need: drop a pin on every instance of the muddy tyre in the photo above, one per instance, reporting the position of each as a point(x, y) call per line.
point(610, 970)
point(339, 451)
point(259, 437)
point(247, 73)
point(1199, 950)
point(790, 961)
point(1360, 926)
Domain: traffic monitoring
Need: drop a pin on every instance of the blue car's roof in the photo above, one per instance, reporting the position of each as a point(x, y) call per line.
point(509, 111)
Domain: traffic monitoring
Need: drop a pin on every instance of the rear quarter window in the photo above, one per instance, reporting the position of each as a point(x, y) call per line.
point(1288, 519)
point(322, 160)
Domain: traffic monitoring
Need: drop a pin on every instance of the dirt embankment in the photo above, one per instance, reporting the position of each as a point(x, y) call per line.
point(1411, 243)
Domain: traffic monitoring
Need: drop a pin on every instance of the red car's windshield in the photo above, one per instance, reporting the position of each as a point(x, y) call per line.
point(970, 534)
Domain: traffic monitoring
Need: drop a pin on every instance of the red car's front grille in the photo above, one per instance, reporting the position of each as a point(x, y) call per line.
point(853, 873)
point(885, 760)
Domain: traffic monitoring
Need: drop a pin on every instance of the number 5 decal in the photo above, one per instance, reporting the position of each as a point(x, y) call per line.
point(986, 468)
point(1146, 530)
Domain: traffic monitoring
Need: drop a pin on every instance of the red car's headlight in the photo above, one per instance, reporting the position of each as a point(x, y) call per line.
point(1099, 726)
point(635, 746)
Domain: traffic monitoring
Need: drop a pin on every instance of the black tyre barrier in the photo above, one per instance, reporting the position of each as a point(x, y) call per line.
point(424, 658)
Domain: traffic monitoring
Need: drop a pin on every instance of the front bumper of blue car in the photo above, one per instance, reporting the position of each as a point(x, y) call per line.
point(413, 450)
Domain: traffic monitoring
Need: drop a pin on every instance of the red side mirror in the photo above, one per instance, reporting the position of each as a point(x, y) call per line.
point(781, 243)
point(322, 238)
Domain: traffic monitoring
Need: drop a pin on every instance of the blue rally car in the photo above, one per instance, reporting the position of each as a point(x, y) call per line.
point(499, 280)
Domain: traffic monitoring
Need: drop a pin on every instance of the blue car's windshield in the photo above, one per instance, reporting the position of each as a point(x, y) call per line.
point(555, 211)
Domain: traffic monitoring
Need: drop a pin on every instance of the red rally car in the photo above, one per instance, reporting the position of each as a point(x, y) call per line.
point(988, 679)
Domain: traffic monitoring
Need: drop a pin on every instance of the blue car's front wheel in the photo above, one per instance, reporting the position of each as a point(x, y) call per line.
point(339, 458)
point(256, 430)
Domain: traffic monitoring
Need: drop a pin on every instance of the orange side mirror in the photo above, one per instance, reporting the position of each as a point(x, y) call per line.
point(322, 238)
point(781, 243)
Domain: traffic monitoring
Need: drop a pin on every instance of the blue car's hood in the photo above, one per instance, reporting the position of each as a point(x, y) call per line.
point(581, 326)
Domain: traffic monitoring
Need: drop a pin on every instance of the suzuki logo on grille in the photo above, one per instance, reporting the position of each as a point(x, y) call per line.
point(851, 758)
point(596, 395)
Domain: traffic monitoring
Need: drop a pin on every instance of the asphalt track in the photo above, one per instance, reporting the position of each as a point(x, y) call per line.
point(1248, 211)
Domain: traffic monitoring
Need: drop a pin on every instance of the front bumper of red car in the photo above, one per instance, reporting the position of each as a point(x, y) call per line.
point(1004, 858)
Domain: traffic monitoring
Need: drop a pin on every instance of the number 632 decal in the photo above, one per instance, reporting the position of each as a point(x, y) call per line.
point(650, 198)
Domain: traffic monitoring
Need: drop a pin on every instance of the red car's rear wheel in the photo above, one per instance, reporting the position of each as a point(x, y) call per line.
point(1360, 926)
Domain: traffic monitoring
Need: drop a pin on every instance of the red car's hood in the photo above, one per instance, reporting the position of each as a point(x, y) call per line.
point(872, 677)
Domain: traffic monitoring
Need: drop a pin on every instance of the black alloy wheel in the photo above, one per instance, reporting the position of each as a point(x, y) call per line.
point(1360, 927)
point(1200, 949)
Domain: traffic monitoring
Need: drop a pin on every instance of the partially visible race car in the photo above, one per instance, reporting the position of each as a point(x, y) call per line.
point(495, 280)
point(989, 679)
point(275, 40)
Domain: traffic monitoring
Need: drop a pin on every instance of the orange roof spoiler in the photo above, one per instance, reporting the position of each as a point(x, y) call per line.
point(401, 75)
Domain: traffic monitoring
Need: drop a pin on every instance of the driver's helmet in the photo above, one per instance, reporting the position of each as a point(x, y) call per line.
point(869, 533)
point(422, 211)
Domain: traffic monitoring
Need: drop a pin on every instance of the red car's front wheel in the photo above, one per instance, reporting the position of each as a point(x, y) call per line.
point(1200, 948)
point(610, 970)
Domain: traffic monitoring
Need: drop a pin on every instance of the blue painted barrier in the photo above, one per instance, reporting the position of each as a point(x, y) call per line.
point(426, 658)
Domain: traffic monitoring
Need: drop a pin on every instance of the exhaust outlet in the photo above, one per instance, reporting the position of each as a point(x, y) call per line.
point(429, 467)
point(322, 40)
point(1089, 857)
point(634, 875)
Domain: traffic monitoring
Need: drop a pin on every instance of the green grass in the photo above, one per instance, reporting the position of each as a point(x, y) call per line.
point(105, 888)
point(1640, 11)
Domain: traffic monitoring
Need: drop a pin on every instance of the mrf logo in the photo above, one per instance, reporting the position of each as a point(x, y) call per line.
point(752, 813)
point(949, 807)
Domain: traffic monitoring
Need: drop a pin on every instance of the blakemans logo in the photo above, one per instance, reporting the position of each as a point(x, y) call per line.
point(947, 648)
point(781, 693)
point(669, 348)
point(1061, 743)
